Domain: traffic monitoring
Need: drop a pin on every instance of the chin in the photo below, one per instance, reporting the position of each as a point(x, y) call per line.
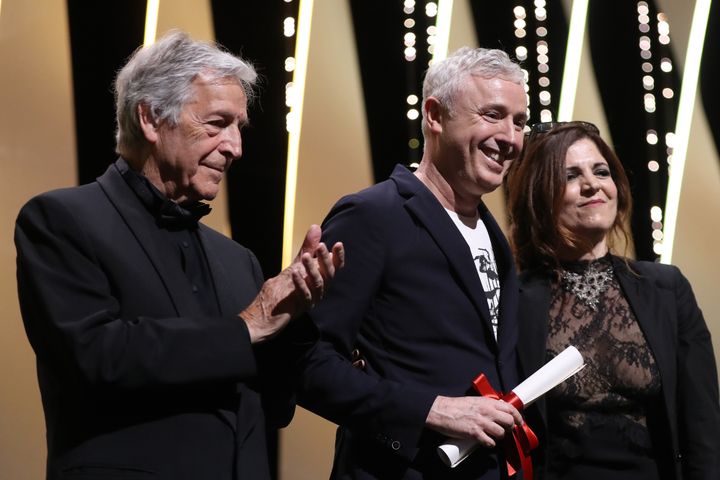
point(207, 197)
point(488, 184)
point(208, 192)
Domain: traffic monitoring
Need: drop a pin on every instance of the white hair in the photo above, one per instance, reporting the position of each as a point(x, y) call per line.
point(161, 75)
point(445, 79)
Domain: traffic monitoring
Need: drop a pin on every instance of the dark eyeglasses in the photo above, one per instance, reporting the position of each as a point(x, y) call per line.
point(545, 127)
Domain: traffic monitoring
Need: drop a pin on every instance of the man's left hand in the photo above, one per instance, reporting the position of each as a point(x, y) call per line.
point(295, 289)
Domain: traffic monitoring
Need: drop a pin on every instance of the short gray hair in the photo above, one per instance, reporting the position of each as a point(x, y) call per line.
point(445, 78)
point(161, 76)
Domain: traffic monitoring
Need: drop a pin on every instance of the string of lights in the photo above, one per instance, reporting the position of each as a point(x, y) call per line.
point(289, 31)
point(417, 24)
point(660, 109)
point(297, 34)
point(542, 50)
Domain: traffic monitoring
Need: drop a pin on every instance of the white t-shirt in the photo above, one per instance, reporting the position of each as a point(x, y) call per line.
point(476, 235)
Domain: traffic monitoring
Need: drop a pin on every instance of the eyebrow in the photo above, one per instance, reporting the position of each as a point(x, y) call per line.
point(594, 165)
point(242, 122)
point(500, 107)
point(493, 106)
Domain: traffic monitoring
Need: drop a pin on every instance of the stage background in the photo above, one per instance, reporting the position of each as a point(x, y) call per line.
point(57, 60)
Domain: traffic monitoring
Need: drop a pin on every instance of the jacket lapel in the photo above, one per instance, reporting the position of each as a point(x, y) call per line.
point(423, 205)
point(225, 287)
point(534, 305)
point(147, 234)
point(650, 310)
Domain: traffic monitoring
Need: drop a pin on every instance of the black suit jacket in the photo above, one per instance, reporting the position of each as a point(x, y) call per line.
point(663, 303)
point(136, 382)
point(409, 298)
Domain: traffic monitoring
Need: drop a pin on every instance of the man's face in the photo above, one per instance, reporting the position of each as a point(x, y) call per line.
point(192, 157)
point(483, 136)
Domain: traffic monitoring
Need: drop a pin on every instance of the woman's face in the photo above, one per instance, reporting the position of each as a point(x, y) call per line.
point(589, 204)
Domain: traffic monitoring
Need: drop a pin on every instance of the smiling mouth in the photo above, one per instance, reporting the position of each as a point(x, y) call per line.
point(493, 155)
point(216, 168)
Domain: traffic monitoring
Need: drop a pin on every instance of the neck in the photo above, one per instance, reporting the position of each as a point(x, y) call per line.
point(599, 250)
point(434, 180)
point(151, 170)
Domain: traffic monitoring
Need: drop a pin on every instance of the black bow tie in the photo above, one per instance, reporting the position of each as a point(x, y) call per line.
point(168, 214)
point(174, 216)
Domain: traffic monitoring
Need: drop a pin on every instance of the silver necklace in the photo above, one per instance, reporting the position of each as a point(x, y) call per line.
point(588, 285)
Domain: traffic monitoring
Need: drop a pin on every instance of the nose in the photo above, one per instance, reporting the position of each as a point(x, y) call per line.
point(590, 183)
point(231, 144)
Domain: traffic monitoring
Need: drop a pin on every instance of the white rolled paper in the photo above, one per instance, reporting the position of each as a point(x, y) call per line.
point(566, 364)
point(456, 450)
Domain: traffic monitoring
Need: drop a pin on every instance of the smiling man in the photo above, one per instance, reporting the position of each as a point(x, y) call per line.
point(159, 348)
point(428, 298)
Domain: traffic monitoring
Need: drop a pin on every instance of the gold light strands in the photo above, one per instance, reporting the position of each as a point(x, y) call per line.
point(290, 64)
point(543, 60)
point(410, 54)
point(658, 104)
point(431, 11)
point(441, 29)
point(422, 38)
point(289, 31)
point(649, 103)
point(656, 216)
point(573, 54)
point(296, 67)
point(412, 101)
point(151, 19)
point(683, 123)
point(521, 51)
point(409, 37)
point(533, 44)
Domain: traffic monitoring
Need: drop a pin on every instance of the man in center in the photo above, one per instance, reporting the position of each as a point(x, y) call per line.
point(428, 298)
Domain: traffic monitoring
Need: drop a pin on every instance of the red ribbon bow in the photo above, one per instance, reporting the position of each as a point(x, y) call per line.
point(524, 440)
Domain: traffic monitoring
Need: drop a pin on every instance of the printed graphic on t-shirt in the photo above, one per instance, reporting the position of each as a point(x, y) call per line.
point(490, 282)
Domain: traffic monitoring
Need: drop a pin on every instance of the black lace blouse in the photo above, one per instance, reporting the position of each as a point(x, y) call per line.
point(598, 419)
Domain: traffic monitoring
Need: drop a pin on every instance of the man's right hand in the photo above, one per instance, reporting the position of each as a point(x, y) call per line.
point(295, 289)
point(480, 418)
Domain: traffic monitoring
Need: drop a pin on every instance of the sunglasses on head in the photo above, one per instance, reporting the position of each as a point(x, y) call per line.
point(546, 127)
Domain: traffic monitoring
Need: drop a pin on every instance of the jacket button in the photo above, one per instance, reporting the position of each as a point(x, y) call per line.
point(395, 445)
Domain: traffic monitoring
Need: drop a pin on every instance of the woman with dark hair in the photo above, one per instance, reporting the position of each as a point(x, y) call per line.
point(646, 404)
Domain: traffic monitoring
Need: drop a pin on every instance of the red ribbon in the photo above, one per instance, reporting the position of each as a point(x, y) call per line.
point(524, 440)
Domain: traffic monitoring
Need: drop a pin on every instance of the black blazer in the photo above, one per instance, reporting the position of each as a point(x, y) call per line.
point(663, 303)
point(409, 298)
point(135, 380)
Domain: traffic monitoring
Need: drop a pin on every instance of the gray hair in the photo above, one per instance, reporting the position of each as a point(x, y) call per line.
point(444, 80)
point(161, 76)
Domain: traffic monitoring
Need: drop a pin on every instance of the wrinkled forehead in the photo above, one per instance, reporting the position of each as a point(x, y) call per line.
point(496, 90)
point(224, 95)
point(212, 78)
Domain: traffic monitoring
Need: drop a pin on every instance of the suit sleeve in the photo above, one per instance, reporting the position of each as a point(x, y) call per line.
point(72, 315)
point(388, 412)
point(698, 408)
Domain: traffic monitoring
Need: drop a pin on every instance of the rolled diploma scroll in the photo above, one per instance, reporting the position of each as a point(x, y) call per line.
point(566, 364)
